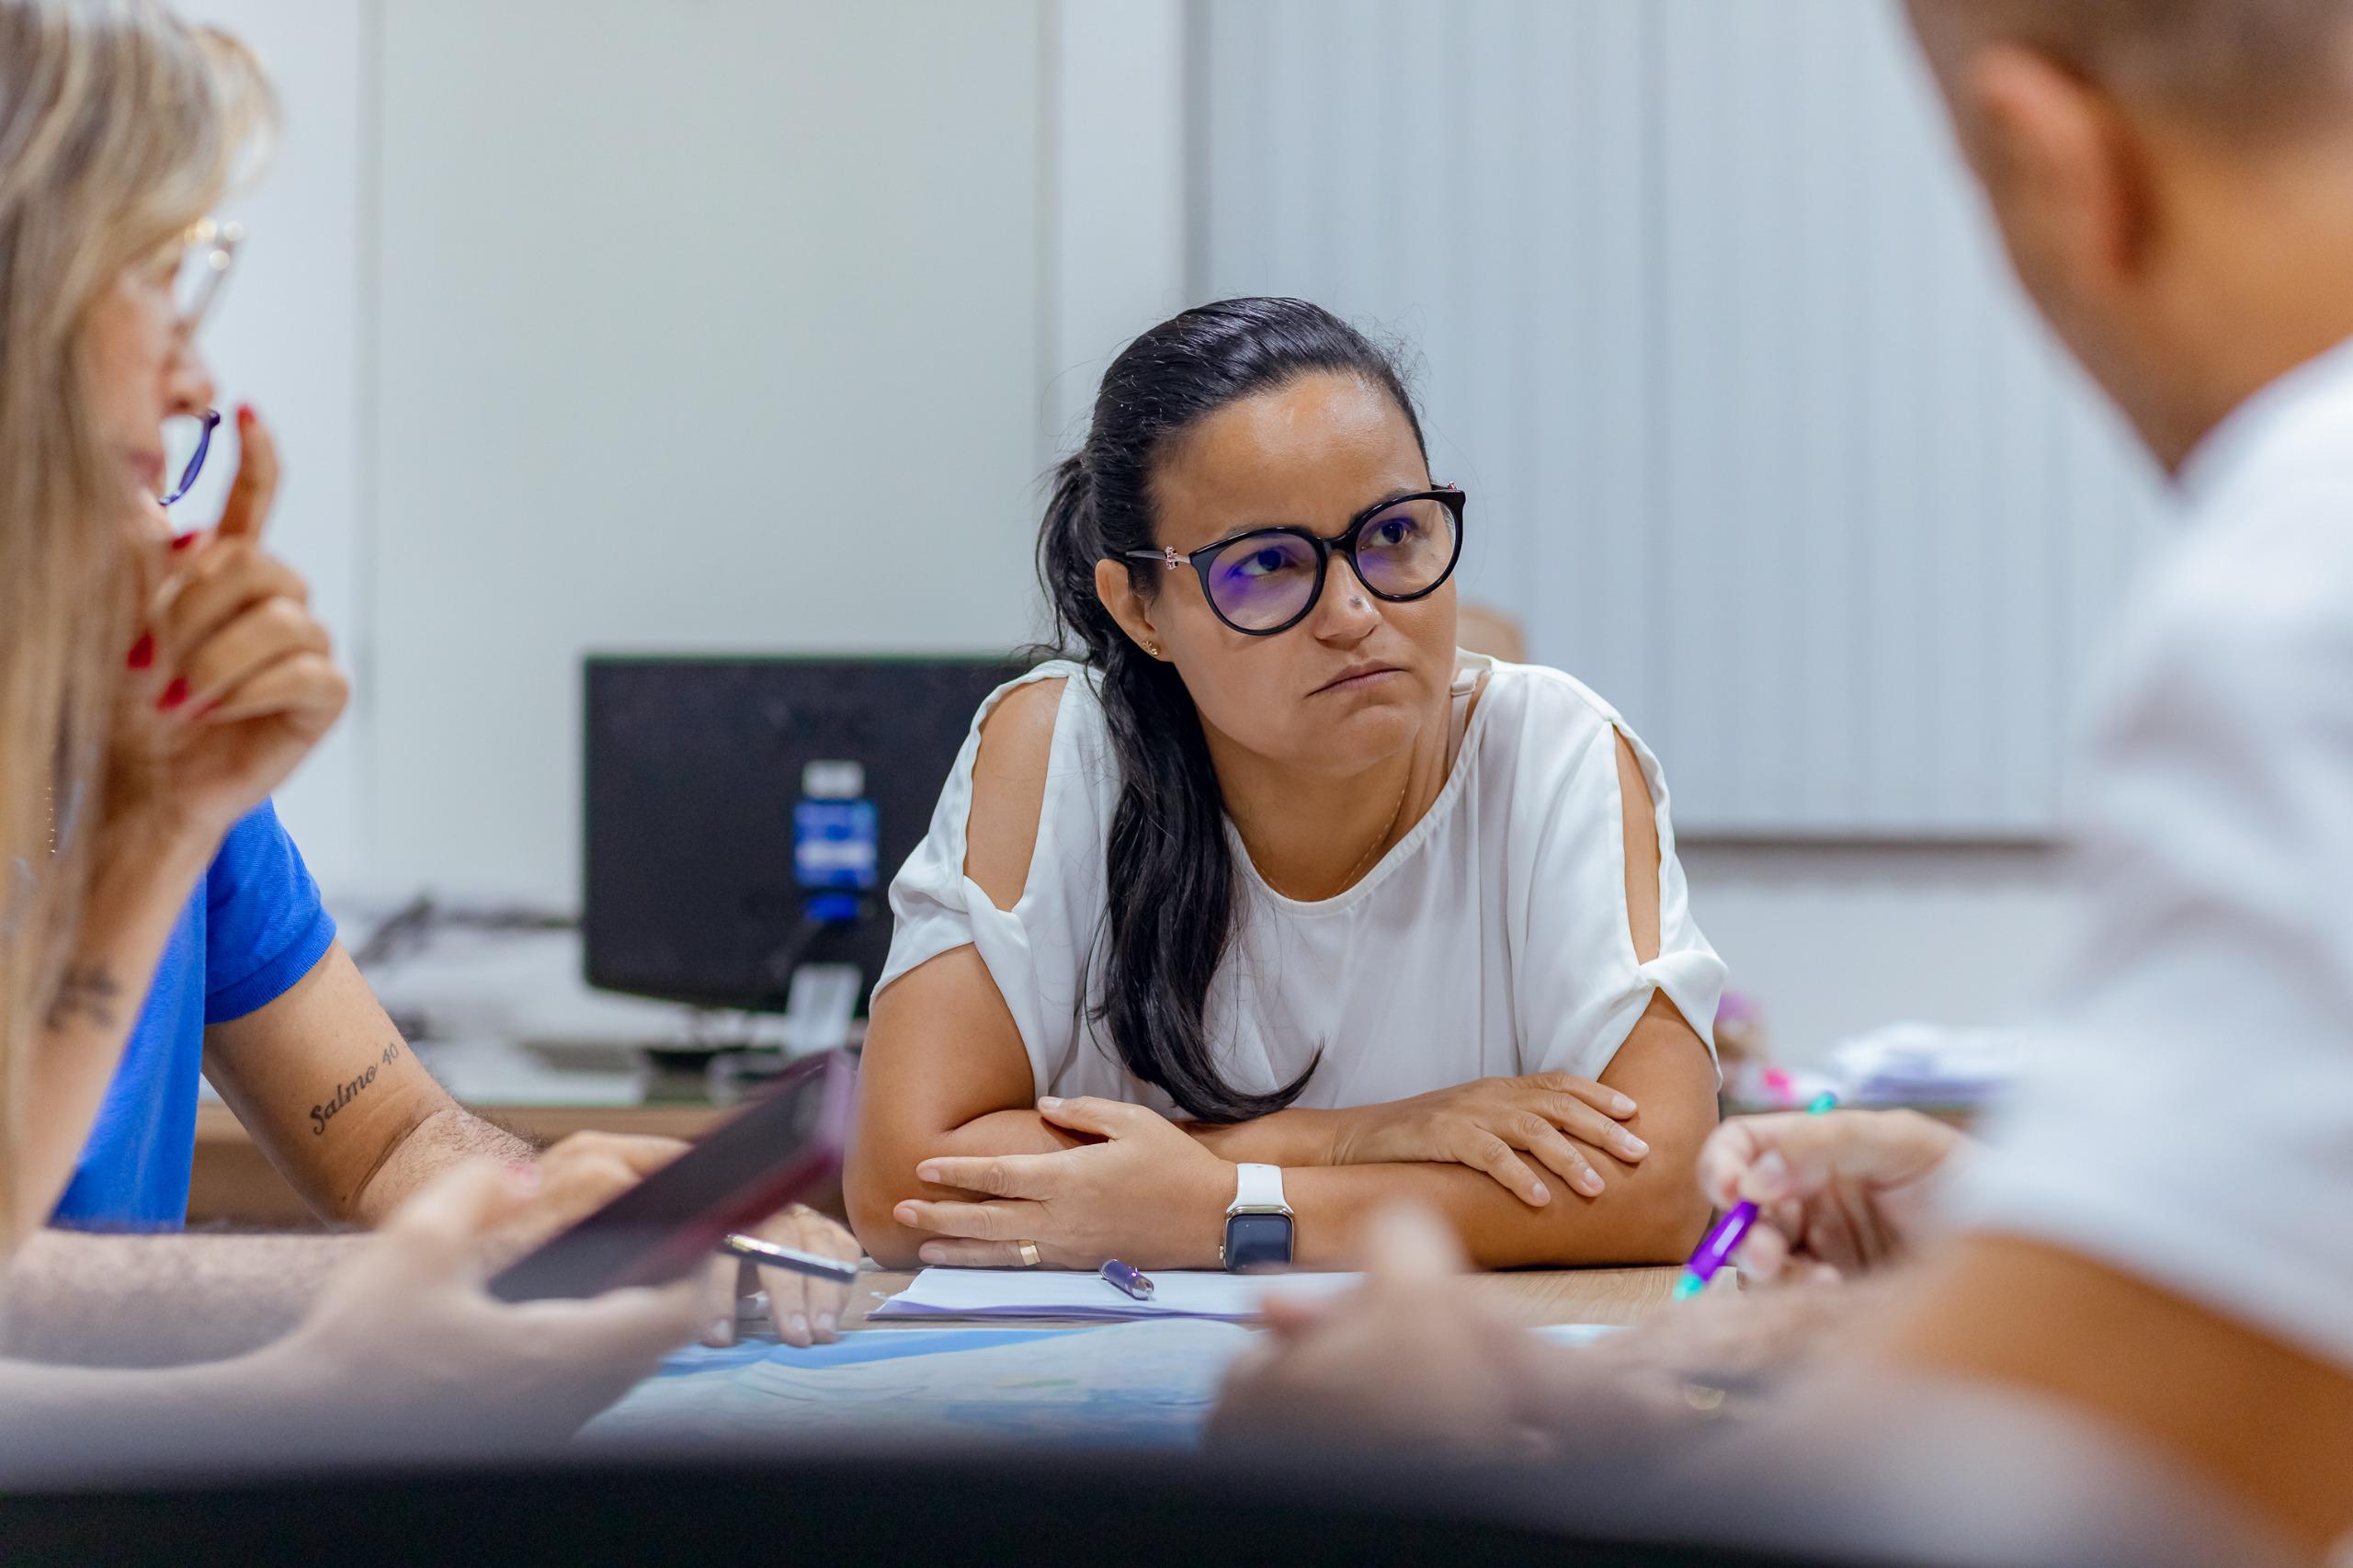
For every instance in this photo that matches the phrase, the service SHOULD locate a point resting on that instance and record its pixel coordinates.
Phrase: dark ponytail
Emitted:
(1170, 880)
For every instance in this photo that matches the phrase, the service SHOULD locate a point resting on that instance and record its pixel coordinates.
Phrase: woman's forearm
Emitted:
(1288, 1138)
(880, 1180)
(1294, 1137)
(1649, 1211)
(1647, 1214)
(135, 900)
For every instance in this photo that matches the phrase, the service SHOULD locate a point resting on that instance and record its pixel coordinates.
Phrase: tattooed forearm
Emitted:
(85, 993)
(351, 1089)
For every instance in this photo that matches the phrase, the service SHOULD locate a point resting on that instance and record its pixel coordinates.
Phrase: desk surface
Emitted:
(233, 1183)
(1530, 1296)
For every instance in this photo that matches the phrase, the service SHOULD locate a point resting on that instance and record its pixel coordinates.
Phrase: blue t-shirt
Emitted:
(254, 927)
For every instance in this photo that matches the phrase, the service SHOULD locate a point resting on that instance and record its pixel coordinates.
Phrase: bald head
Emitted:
(2243, 68)
(2170, 178)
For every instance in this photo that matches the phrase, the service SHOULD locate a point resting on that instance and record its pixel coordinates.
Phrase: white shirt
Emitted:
(1491, 939)
(2187, 1112)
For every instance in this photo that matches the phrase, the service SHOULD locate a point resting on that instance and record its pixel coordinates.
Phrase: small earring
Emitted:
(1152, 648)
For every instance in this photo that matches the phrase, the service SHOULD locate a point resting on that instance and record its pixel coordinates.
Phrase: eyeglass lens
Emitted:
(1261, 582)
(204, 265)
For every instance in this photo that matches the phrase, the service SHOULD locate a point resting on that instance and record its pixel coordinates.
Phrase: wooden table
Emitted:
(1530, 1297)
(233, 1183)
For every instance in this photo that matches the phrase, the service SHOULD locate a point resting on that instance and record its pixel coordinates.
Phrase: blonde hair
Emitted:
(120, 126)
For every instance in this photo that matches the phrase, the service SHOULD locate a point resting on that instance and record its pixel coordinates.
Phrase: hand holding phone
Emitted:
(786, 1145)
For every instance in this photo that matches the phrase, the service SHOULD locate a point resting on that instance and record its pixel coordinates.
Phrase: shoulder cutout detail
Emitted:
(1009, 789)
(1641, 827)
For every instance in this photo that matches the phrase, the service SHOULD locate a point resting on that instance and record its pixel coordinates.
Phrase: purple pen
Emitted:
(1126, 1280)
(1731, 1231)
(1720, 1244)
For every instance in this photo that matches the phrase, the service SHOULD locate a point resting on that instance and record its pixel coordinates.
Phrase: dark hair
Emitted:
(1169, 871)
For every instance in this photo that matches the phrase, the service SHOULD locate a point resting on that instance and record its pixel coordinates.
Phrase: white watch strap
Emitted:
(1258, 1189)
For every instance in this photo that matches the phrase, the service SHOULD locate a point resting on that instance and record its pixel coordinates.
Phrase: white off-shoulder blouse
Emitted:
(1492, 940)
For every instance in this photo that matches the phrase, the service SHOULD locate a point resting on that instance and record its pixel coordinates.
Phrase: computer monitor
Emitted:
(711, 871)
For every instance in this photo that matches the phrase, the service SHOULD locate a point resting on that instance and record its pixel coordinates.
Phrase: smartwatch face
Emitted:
(1257, 1241)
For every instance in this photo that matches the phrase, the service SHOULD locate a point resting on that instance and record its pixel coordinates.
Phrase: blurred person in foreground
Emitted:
(2174, 182)
(121, 777)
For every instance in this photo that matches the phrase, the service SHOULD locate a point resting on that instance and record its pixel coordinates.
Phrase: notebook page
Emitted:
(1059, 1293)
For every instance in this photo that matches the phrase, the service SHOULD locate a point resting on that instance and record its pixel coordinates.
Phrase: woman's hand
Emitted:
(581, 1174)
(803, 1311)
(404, 1345)
(1147, 1194)
(578, 1175)
(1835, 1194)
(1487, 1124)
(233, 679)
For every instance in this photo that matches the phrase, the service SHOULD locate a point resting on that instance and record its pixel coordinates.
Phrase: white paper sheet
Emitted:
(1576, 1333)
(1017, 1293)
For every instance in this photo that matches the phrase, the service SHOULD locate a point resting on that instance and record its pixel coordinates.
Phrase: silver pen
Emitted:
(751, 1249)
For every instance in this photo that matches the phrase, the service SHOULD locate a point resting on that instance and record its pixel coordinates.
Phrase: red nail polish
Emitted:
(245, 414)
(174, 695)
(181, 541)
(142, 652)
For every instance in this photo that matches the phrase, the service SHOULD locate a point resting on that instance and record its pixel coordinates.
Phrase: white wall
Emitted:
(1115, 210)
(702, 326)
(287, 337)
(560, 306)
(1832, 942)
(1760, 437)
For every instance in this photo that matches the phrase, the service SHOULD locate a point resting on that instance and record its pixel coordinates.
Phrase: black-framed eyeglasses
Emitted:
(1267, 580)
(187, 438)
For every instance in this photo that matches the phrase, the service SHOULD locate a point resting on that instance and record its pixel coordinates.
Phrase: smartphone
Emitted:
(786, 1144)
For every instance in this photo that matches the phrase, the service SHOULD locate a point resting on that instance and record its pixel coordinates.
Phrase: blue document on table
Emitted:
(1148, 1384)
(696, 1360)
(1145, 1384)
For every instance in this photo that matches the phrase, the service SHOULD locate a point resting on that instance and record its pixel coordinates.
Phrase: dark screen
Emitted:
(693, 766)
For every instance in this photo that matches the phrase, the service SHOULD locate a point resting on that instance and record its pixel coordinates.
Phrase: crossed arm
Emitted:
(1646, 1211)
(948, 1095)
(1154, 1192)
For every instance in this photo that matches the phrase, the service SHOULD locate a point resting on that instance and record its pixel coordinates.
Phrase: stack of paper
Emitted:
(1011, 1293)
(1920, 1065)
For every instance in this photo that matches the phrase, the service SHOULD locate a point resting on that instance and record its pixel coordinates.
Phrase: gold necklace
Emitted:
(1381, 837)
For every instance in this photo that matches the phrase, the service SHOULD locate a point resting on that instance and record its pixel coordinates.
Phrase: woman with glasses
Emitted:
(229, 683)
(154, 690)
(1265, 907)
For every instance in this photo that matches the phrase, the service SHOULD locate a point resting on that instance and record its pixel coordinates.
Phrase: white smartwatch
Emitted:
(1259, 1223)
